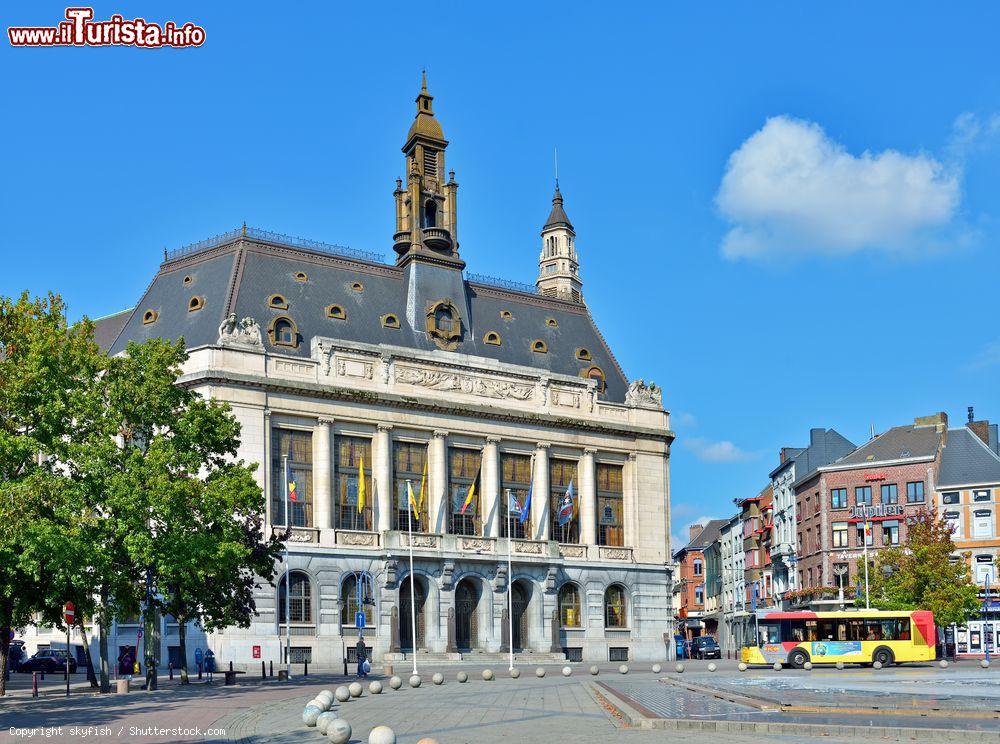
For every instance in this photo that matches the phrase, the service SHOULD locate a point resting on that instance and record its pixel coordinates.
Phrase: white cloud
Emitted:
(679, 541)
(721, 451)
(989, 356)
(790, 190)
(683, 420)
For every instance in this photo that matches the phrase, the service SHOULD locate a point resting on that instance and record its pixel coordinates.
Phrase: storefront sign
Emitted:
(879, 511)
(874, 476)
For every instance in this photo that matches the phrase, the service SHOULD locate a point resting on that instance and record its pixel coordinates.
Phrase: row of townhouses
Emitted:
(799, 542)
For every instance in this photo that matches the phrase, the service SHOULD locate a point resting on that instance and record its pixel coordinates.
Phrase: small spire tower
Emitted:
(558, 265)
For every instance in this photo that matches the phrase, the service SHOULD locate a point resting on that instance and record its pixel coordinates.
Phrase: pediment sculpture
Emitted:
(244, 333)
(641, 395)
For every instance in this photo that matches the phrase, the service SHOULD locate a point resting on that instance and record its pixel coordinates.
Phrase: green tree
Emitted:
(920, 575)
(46, 367)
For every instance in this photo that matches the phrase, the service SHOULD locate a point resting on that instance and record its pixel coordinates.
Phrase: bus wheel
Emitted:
(798, 658)
(884, 656)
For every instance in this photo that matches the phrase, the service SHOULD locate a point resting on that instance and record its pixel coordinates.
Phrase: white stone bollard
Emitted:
(321, 704)
(339, 731)
(487, 674)
(623, 669)
(310, 714)
(395, 682)
(415, 680)
(984, 664)
(943, 663)
(807, 666)
(326, 693)
(567, 672)
(712, 667)
(323, 722)
(877, 665)
(840, 665)
(540, 672)
(438, 678)
(742, 667)
(679, 668)
(594, 670)
(382, 735)
(515, 673)
(375, 688)
(776, 666)
(342, 694)
(355, 689)
(462, 677)
(656, 668)
(427, 740)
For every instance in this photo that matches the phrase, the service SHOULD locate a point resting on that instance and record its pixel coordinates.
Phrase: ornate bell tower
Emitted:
(558, 266)
(426, 207)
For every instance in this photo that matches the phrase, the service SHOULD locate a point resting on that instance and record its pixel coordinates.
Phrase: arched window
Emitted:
(569, 606)
(277, 301)
(492, 338)
(614, 607)
(299, 599)
(539, 347)
(149, 316)
(283, 332)
(195, 304)
(351, 603)
(430, 214)
(596, 373)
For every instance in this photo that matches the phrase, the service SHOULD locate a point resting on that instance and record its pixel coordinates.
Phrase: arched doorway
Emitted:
(466, 615)
(519, 601)
(405, 627)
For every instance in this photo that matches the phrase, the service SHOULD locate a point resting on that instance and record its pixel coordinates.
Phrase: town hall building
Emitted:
(371, 378)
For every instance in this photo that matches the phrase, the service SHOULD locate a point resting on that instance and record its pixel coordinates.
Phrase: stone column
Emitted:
(588, 498)
(268, 485)
(541, 518)
(437, 483)
(382, 472)
(630, 486)
(322, 462)
(494, 503)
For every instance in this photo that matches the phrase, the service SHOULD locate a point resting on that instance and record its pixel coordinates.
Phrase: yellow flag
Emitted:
(423, 488)
(361, 485)
(413, 500)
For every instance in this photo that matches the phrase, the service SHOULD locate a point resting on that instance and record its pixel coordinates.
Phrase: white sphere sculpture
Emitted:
(984, 664)
(594, 670)
(776, 666)
(515, 673)
(840, 665)
(310, 714)
(338, 731)
(375, 687)
(807, 666)
(395, 682)
(943, 664)
(712, 667)
(415, 680)
(623, 669)
(487, 674)
(462, 677)
(742, 667)
(342, 694)
(382, 735)
(540, 672)
(877, 665)
(355, 689)
(566, 671)
(438, 678)
(679, 668)
(656, 668)
(323, 722)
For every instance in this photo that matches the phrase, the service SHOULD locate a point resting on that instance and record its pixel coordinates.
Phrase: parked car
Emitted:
(706, 647)
(49, 660)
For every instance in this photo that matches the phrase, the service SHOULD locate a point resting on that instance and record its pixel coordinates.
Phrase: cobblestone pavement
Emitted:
(549, 710)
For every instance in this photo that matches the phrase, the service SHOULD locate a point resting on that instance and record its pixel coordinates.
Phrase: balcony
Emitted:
(437, 238)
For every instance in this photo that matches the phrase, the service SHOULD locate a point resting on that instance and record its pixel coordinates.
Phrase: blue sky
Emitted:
(786, 213)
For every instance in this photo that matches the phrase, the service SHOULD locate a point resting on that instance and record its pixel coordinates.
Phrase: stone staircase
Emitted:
(477, 657)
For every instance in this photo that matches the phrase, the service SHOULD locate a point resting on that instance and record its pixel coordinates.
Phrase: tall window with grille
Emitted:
(610, 505)
(352, 453)
(408, 462)
(561, 474)
(515, 476)
(463, 472)
(297, 445)
(351, 603)
(299, 599)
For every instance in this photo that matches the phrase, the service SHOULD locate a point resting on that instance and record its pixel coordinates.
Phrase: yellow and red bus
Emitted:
(857, 637)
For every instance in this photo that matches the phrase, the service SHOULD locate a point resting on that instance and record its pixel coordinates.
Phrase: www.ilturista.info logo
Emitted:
(79, 29)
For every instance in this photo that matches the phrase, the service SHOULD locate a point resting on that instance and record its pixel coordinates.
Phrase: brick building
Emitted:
(888, 480)
(690, 591)
(757, 519)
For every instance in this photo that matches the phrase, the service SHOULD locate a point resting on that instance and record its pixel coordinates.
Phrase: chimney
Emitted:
(693, 531)
(938, 420)
(971, 416)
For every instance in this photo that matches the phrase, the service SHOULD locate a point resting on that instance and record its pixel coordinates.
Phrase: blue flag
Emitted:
(566, 506)
(526, 509)
(512, 506)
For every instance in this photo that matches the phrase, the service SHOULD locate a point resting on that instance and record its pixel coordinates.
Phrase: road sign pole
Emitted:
(69, 615)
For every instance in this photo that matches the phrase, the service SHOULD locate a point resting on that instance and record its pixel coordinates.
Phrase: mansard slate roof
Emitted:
(825, 446)
(898, 443)
(240, 274)
(966, 460)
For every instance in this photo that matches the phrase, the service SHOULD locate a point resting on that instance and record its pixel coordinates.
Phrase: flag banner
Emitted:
(361, 485)
(512, 506)
(471, 495)
(526, 509)
(423, 489)
(293, 492)
(411, 499)
(566, 506)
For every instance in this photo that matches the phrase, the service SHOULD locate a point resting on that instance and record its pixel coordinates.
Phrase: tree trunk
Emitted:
(182, 635)
(105, 624)
(6, 617)
(86, 651)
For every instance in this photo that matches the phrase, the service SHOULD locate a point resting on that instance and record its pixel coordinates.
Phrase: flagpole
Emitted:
(413, 605)
(868, 605)
(288, 587)
(510, 586)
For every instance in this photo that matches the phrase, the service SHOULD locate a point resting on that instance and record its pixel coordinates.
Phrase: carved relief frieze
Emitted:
(478, 544)
(363, 539)
(485, 387)
(420, 541)
(354, 368)
(526, 546)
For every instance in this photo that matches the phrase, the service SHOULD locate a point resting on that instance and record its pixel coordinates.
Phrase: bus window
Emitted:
(826, 629)
(841, 631)
(812, 633)
(855, 630)
(904, 628)
(873, 630)
(769, 633)
(797, 630)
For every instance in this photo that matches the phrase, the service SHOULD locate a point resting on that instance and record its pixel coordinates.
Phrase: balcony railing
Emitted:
(271, 237)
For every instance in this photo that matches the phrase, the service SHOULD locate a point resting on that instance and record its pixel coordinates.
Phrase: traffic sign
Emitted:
(69, 613)
(359, 620)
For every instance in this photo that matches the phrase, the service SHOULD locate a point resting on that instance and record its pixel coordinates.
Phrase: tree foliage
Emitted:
(920, 575)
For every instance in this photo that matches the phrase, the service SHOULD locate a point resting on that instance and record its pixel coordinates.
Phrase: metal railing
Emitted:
(494, 281)
(272, 237)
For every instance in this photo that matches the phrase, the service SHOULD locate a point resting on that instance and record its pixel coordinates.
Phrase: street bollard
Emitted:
(305, 668)
(170, 668)
(43, 676)
(199, 669)
(272, 667)
(263, 670)
(230, 666)
(34, 684)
